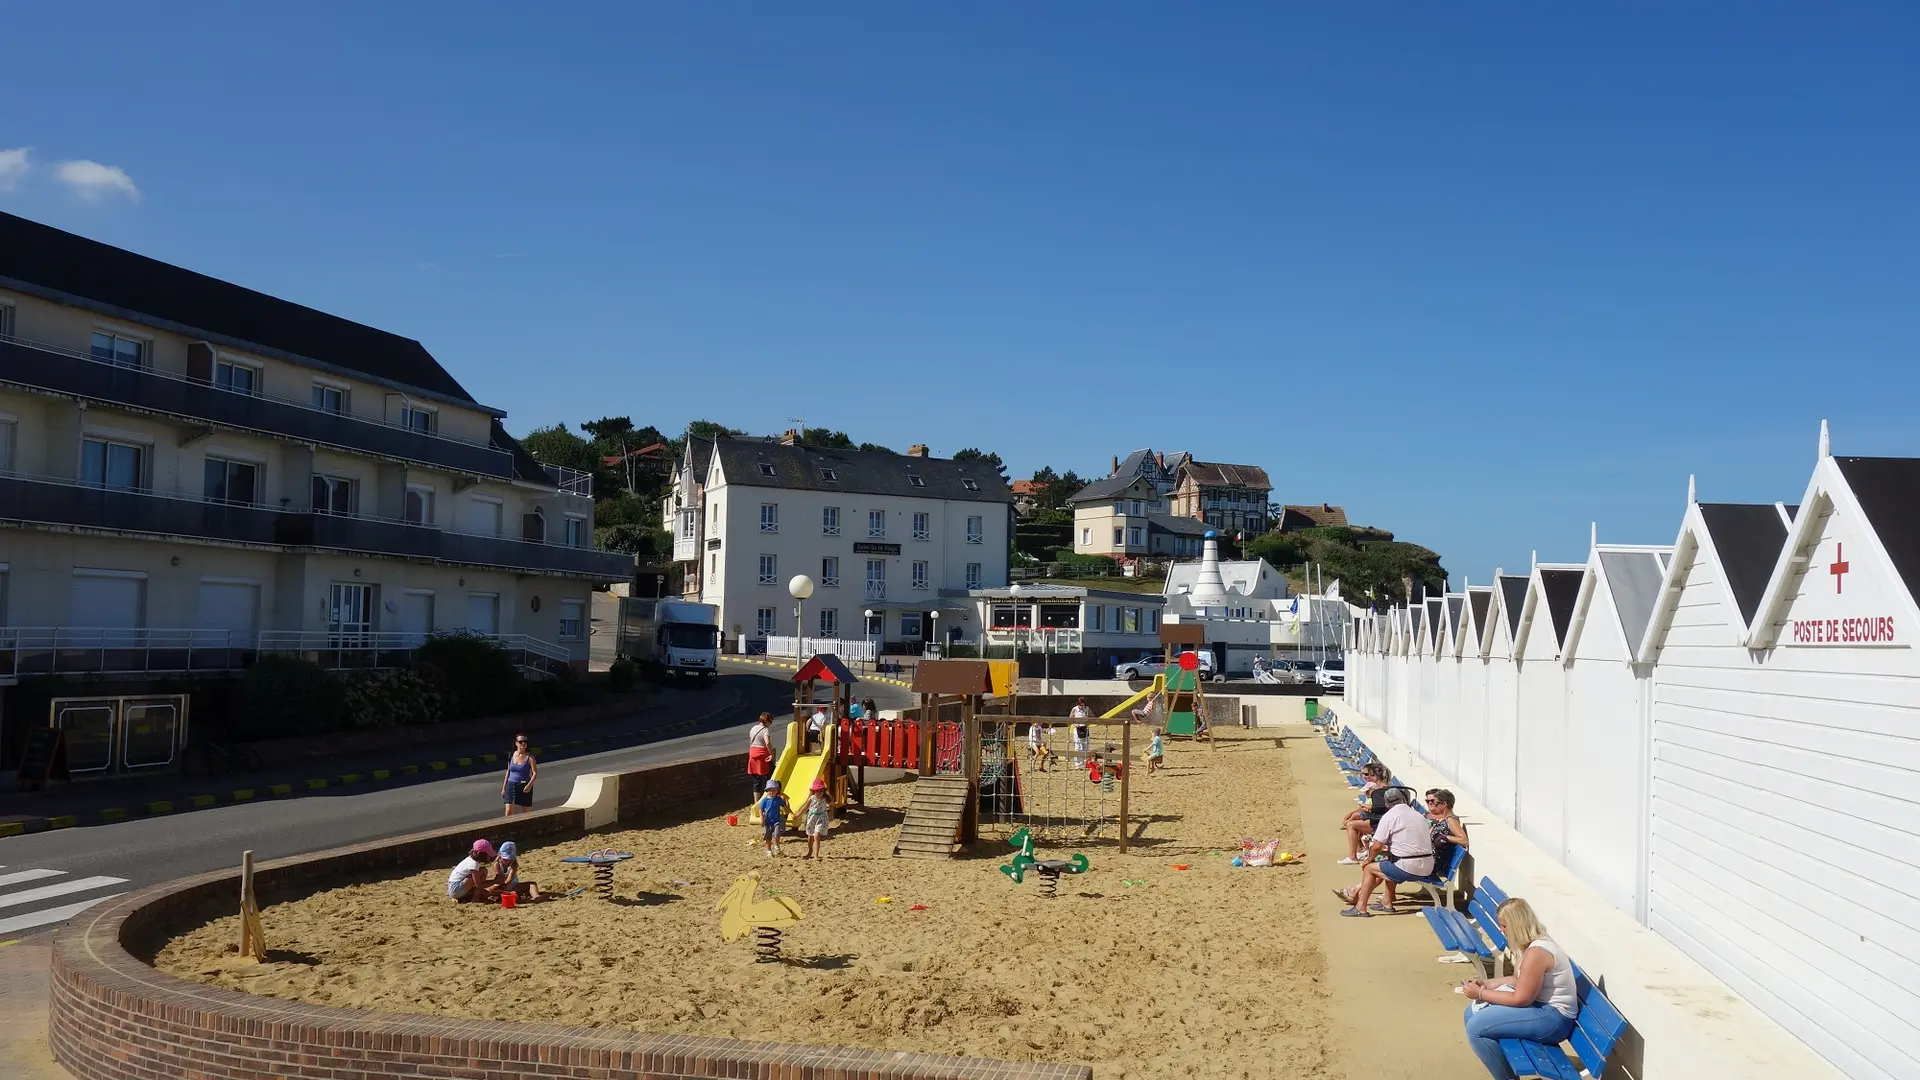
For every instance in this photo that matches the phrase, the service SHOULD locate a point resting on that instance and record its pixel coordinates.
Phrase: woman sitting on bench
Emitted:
(1538, 1003)
(1360, 824)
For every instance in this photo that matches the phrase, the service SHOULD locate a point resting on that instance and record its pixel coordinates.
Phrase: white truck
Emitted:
(670, 637)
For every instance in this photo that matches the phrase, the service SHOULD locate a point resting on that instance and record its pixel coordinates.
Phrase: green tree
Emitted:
(826, 438)
(557, 445)
(875, 448)
(974, 453)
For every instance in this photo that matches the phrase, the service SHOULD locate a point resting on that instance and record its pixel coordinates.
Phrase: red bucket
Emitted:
(733, 819)
(509, 899)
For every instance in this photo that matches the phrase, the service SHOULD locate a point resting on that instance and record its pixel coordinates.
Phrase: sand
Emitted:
(1214, 970)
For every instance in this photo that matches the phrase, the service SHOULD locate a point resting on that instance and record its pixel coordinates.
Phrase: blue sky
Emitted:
(1481, 273)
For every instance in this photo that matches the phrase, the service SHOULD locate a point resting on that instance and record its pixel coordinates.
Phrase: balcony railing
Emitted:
(68, 650)
(876, 590)
(63, 371)
(569, 481)
(1063, 640)
(51, 501)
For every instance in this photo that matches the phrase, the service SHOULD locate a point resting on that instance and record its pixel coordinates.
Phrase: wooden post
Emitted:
(970, 766)
(252, 941)
(1126, 778)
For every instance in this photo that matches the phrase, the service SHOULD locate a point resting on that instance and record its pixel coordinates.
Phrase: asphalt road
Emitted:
(50, 872)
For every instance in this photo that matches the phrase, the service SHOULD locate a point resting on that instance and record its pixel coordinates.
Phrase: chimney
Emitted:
(1160, 459)
(1115, 471)
(1326, 507)
(791, 438)
(917, 450)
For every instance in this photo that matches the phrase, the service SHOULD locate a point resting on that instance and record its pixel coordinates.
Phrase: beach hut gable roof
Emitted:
(1847, 571)
(1749, 535)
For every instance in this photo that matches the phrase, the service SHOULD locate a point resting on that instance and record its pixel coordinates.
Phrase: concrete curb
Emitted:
(786, 667)
(235, 796)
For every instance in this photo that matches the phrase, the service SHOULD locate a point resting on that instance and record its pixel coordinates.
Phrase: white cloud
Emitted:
(14, 164)
(93, 181)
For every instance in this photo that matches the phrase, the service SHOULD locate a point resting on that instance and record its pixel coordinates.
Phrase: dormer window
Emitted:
(916, 481)
(830, 476)
(766, 469)
(969, 485)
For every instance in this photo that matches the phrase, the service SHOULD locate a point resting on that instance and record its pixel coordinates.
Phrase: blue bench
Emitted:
(1596, 1031)
(1475, 933)
(1442, 885)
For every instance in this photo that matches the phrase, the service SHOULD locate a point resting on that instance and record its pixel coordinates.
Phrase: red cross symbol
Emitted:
(1839, 568)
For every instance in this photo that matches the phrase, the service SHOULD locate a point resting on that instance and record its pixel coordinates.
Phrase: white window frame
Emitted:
(764, 622)
(974, 575)
(1086, 536)
(769, 569)
(829, 622)
(969, 484)
(410, 409)
(879, 579)
(345, 392)
(579, 620)
(829, 521)
(876, 524)
(428, 497)
(976, 529)
(1136, 536)
(500, 525)
(769, 517)
(911, 624)
(141, 444)
(124, 333)
(918, 574)
(922, 525)
(234, 363)
(830, 572)
(575, 531)
(230, 459)
(353, 494)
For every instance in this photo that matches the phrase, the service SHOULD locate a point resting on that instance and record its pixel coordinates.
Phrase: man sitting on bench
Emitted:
(1407, 842)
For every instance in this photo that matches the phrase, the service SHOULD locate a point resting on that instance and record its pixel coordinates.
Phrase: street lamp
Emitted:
(866, 631)
(799, 588)
(1015, 590)
(933, 633)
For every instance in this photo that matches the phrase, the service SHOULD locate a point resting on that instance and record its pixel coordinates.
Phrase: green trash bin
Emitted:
(1313, 709)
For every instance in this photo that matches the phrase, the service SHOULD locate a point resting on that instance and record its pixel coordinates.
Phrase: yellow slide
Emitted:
(796, 771)
(1158, 684)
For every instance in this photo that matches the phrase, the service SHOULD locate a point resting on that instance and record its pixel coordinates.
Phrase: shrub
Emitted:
(622, 674)
(475, 676)
(284, 695)
(383, 699)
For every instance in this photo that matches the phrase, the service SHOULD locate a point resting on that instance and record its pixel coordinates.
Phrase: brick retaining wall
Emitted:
(115, 1017)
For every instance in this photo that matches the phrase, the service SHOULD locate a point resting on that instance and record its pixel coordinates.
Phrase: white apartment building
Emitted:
(192, 472)
(903, 536)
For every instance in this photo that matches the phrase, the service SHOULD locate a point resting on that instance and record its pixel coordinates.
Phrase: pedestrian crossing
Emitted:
(36, 897)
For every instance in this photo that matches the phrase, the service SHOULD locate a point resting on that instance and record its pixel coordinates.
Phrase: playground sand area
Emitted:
(1136, 968)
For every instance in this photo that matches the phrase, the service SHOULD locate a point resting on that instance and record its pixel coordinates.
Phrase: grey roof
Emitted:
(1436, 610)
(1633, 577)
(1456, 603)
(1482, 598)
(82, 271)
(1513, 595)
(1747, 537)
(1104, 489)
(1180, 526)
(1886, 489)
(1130, 465)
(861, 472)
(700, 456)
(1561, 590)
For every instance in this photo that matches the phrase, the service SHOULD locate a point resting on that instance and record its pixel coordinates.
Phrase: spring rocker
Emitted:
(1049, 870)
(740, 913)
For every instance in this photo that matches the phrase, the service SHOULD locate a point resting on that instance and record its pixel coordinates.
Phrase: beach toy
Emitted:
(1130, 882)
(1238, 861)
(883, 899)
(508, 900)
(1181, 866)
(920, 907)
(733, 819)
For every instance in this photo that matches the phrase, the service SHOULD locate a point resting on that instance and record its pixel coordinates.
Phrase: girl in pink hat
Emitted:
(815, 816)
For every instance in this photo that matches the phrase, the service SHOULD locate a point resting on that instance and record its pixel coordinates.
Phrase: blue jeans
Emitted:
(1535, 1023)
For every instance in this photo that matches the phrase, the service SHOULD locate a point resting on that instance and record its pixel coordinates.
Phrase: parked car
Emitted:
(1333, 675)
(1272, 670)
(1153, 664)
(1308, 670)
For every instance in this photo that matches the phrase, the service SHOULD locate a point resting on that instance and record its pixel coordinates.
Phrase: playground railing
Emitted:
(884, 744)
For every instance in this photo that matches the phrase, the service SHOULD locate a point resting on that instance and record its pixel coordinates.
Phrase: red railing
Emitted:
(885, 744)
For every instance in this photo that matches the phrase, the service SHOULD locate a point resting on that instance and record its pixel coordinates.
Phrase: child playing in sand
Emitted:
(1156, 752)
(469, 882)
(816, 815)
(506, 873)
(774, 809)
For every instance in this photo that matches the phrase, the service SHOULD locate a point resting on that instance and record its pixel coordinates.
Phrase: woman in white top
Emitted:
(1538, 1004)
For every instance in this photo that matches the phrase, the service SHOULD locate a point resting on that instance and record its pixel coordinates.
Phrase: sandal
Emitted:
(1345, 895)
(1380, 907)
(1354, 913)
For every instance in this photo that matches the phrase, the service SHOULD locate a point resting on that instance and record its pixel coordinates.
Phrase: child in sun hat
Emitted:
(774, 809)
(507, 873)
(469, 881)
(816, 815)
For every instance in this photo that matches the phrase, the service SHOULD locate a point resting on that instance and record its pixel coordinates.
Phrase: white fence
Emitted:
(844, 648)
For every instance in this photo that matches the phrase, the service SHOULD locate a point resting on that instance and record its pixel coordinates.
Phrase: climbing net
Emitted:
(1068, 790)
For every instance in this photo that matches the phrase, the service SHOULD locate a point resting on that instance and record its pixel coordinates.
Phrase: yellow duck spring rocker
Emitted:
(740, 912)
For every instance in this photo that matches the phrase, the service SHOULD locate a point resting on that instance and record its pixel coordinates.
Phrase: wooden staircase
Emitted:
(931, 827)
